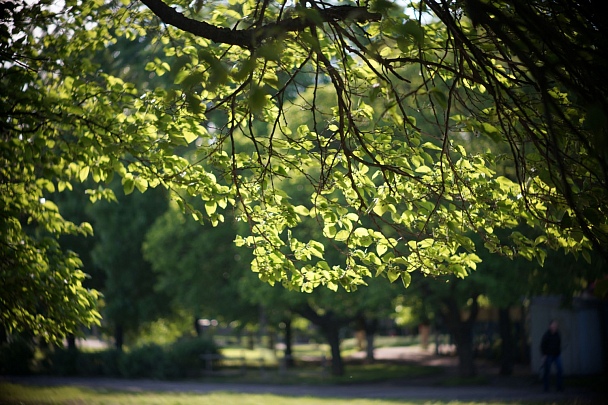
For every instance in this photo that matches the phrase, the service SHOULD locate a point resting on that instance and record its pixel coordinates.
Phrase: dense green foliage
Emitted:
(129, 288)
(379, 111)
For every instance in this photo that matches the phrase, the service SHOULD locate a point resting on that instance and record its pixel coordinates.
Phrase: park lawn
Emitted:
(29, 395)
(314, 374)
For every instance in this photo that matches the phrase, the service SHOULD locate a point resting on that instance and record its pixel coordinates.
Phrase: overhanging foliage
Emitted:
(396, 121)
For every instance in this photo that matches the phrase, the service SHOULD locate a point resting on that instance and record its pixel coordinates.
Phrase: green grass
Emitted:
(464, 381)
(28, 395)
(262, 365)
(315, 375)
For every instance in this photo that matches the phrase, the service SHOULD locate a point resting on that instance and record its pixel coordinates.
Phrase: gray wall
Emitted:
(580, 328)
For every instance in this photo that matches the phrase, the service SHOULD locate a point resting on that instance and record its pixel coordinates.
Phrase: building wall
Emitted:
(581, 330)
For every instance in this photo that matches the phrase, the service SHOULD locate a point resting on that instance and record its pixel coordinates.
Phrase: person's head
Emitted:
(553, 326)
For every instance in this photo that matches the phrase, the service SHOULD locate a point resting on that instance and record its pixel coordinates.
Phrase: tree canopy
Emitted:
(395, 114)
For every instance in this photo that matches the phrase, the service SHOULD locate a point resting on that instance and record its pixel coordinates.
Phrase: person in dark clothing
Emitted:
(551, 349)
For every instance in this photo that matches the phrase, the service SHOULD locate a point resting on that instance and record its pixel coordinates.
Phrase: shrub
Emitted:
(184, 357)
(99, 364)
(110, 360)
(16, 356)
(181, 359)
(64, 362)
(143, 362)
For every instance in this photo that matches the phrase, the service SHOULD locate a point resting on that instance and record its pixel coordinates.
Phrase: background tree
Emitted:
(74, 206)
(199, 268)
(129, 292)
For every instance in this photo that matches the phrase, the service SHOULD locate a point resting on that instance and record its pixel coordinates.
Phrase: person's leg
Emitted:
(546, 372)
(559, 371)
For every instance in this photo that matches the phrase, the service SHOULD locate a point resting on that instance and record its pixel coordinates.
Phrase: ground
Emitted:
(523, 386)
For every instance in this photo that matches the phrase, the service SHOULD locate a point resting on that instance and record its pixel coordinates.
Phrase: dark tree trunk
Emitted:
(332, 334)
(71, 340)
(263, 326)
(369, 348)
(271, 339)
(197, 327)
(288, 344)
(330, 325)
(464, 346)
(371, 327)
(462, 331)
(250, 340)
(367, 327)
(506, 337)
(119, 337)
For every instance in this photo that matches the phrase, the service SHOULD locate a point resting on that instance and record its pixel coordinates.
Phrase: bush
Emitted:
(99, 364)
(184, 357)
(110, 360)
(64, 362)
(143, 362)
(70, 362)
(181, 359)
(16, 357)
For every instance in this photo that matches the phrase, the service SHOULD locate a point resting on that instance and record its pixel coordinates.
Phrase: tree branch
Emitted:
(252, 37)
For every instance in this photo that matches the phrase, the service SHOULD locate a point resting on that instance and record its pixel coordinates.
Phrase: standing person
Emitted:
(551, 349)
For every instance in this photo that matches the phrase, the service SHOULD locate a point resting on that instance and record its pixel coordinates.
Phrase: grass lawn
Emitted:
(314, 374)
(28, 395)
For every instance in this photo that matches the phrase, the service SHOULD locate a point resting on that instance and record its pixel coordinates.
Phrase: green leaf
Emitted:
(381, 249)
(257, 99)
(342, 235)
(406, 278)
(141, 184)
(84, 173)
(192, 79)
(491, 131)
(301, 210)
(210, 207)
(423, 169)
(190, 136)
(415, 30)
(439, 96)
(128, 184)
(272, 51)
(393, 274)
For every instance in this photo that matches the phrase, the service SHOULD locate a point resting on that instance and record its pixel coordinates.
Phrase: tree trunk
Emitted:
(506, 337)
(262, 326)
(424, 332)
(271, 339)
(462, 331)
(250, 340)
(332, 334)
(330, 325)
(197, 327)
(288, 344)
(464, 346)
(119, 337)
(71, 340)
(369, 349)
(371, 327)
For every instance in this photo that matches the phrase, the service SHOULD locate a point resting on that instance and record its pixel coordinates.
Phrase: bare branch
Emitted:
(252, 37)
